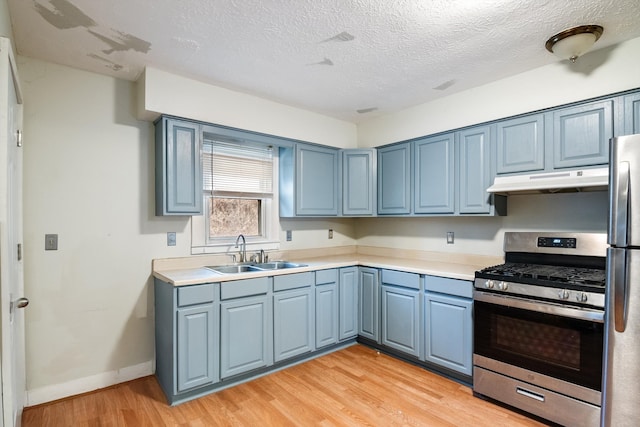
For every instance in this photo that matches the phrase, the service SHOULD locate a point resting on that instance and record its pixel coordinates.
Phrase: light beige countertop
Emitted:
(192, 270)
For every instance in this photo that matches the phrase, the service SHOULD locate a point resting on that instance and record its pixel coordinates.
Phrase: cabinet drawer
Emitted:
(196, 294)
(326, 276)
(292, 281)
(400, 278)
(244, 288)
(444, 285)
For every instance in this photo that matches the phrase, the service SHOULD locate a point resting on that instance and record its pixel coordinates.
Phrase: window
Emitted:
(239, 194)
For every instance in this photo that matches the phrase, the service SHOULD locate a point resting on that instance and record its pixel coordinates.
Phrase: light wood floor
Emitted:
(351, 387)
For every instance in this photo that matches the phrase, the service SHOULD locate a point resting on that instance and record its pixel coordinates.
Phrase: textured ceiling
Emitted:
(334, 57)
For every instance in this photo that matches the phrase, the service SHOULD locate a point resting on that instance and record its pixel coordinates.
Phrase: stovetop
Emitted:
(565, 277)
(563, 268)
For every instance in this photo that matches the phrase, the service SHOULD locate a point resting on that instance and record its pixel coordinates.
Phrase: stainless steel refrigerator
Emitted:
(621, 370)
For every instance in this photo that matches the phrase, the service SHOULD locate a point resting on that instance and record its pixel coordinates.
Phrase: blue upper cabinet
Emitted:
(309, 177)
(632, 114)
(394, 179)
(434, 174)
(317, 177)
(475, 170)
(581, 134)
(178, 167)
(520, 144)
(359, 182)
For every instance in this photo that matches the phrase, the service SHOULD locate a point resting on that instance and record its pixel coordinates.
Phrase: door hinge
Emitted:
(19, 138)
(19, 251)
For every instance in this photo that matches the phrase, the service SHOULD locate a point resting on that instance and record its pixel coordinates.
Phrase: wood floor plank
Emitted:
(356, 386)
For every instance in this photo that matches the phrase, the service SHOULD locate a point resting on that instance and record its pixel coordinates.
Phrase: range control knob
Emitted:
(488, 284)
(581, 297)
(502, 286)
(563, 294)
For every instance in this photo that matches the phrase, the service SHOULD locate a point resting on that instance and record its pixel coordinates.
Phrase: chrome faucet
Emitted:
(243, 252)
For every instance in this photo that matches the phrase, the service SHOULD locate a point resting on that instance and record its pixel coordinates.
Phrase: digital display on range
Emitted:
(557, 242)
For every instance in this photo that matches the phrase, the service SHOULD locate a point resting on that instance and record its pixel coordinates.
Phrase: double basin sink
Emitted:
(253, 267)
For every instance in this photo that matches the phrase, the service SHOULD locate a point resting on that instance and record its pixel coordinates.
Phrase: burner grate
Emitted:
(545, 274)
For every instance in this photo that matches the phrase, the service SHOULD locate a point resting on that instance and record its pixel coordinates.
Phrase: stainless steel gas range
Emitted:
(538, 326)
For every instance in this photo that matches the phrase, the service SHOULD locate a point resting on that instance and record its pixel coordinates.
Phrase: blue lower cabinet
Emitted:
(401, 319)
(368, 303)
(326, 314)
(293, 323)
(196, 349)
(348, 303)
(293, 315)
(245, 335)
(448, 326)
(187, 337)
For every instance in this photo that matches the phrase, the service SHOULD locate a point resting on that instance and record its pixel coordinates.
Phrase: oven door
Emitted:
(558, 341)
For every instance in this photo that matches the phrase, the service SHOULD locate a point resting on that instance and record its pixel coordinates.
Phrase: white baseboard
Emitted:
(82, 385)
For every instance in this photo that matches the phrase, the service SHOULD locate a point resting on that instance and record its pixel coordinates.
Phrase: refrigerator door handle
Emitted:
(620, 207)
(617, 272)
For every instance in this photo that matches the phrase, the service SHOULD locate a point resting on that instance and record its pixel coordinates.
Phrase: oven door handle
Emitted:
(540, 306)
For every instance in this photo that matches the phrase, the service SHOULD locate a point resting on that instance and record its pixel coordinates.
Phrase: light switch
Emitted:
(288, 235)
(50, 242)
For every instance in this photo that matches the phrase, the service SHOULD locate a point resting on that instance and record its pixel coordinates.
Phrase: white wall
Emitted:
(597, 73)
(89, 178)
(586, 212)
(166, 93)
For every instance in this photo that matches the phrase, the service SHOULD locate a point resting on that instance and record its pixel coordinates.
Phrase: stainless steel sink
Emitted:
(248, 268)
(277, 265)
(233, 269)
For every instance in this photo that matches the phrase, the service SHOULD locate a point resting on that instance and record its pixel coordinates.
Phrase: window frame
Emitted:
(270, 240)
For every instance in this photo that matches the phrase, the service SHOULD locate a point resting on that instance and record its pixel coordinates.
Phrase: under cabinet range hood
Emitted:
(596, 179)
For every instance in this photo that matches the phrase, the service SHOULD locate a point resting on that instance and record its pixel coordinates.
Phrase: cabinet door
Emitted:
(358, 182)
(326, 314)
(196, 347)
(520, 144)
(316, 180)
(348, 297)
(581, 134)
(394, 179)
(368, 307)
(400, 319)
(245, 342)
(632, 114)
(475, 170)
(293, 326)
(178, 168)
(448, 326)
(434, 174)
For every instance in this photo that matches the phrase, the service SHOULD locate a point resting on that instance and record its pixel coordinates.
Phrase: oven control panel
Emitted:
(557, 242)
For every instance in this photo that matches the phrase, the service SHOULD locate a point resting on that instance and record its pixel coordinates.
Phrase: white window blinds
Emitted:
(237, 168)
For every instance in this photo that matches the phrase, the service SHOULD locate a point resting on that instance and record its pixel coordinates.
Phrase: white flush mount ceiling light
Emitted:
(573, 42)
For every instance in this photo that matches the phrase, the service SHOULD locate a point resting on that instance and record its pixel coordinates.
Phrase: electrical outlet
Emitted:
(330, 233)
(171, 238)
(288, 235)
(450, 237)
(50, 242)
